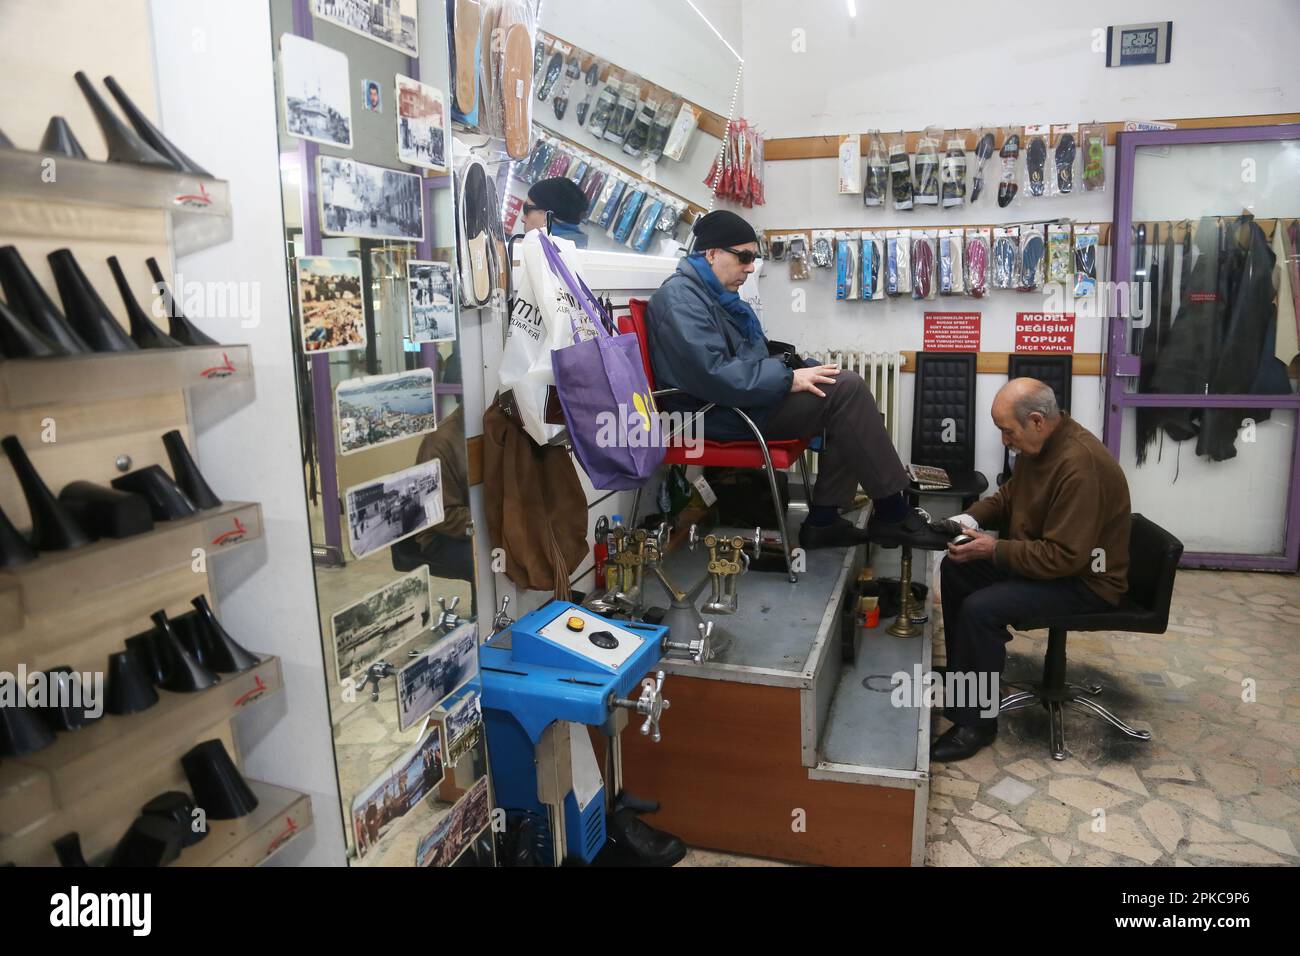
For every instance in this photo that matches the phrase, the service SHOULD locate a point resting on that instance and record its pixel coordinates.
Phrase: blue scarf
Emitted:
(742, 316)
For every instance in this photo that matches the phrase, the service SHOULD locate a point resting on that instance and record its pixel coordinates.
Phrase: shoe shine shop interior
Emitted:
(649, 433)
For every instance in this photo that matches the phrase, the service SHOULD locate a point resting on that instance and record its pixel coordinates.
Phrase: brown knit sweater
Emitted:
(1058, 508)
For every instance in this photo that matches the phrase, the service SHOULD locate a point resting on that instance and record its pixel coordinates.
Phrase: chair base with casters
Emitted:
(1054, 692)
(1153, 561)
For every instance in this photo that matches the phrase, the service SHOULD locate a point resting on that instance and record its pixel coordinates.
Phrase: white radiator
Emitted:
(881, 371)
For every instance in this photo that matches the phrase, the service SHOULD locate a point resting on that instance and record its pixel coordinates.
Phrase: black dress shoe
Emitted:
(914, 531)
(958, 742)
(840, 533)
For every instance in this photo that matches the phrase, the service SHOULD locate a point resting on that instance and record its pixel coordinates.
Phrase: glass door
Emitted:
(1201, 381)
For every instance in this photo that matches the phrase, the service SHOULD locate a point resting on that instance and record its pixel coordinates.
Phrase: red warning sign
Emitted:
(952, 331)
(1044, 331)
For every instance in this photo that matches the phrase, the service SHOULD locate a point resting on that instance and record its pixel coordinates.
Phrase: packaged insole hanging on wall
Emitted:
(926, 190)
(985, 140)
(953, 176)
(620, 121)
(877, 186)
(605, 104)
(644, 229)
(1033, 253)
(640, 133)
(1006, 255)
(669, 216)
(923, 265)
(621, 228)
(1092, 144)
(900, 172)
(898, 262)
(659, 130)
(823, 253)
(1086, 241)
(541, 156)
(607, 207)
(798, 246)
(872, 266)
(1060, 255)
(1009, 155)
(688, 117)
(1035, 147)
(952, 276)
(977, 254)
(850, 164)
(578, 170)
(592, 80)
(1065, 151)
(846, 266)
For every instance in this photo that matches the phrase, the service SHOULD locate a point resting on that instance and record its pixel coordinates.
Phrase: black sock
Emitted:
(819, 516)
(893, 508)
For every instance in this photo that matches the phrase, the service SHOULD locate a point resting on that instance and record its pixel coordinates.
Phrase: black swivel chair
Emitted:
(1153, 556)
(943, 423)
(1056, 370)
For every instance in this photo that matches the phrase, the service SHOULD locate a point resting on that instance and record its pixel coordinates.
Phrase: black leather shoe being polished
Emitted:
(914, 531)
(958, 742)
(840, 533)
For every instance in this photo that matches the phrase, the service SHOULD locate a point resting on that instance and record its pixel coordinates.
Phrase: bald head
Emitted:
(1026, 413)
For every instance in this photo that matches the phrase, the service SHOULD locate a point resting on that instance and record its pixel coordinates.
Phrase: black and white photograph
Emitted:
(394, 507)
(442, 845)
(421, 120)
(433, 314)
(329, 304)
(368, 629)
(423, 683)
(462, 724)
(391, 22)
(317, 101)
(370, 202)
(377, 409)
(397, 791)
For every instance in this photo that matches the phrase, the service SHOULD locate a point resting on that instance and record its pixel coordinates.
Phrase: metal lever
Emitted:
(502, 620)
(449, 619)
(699, 650)
(651, 704)
(376, 672)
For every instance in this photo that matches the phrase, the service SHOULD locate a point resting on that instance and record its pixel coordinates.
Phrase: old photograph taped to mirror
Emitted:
(385, 619)
(369, 202)
(394, 23)
(396, 506)
(397, 791)
(380, 409)
(423, 683)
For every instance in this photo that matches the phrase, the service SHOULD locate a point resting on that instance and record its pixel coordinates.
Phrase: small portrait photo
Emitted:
(371, 96)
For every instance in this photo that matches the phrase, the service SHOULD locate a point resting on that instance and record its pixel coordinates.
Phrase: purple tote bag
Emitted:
(602, 387)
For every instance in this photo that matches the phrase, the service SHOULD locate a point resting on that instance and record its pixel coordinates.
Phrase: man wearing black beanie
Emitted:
(707, 341)
(565, 201)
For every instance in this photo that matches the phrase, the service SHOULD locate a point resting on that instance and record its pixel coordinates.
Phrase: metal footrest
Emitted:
(1078, 696)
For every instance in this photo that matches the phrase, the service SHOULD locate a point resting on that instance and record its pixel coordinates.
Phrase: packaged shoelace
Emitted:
(850, 164)
(679, 136)
(923, 265)
(644, 229)
(1060, 255)
(1065, 151)
(1033, 255)
(953, 176)
(877, 185)
(607, 206)
(620, 121)
(1006, 256)
(846, 266)
(663, 124)
(985, 140)
(926, 190)
(898, 262)
(900, 172)
(1092, 145)
(873, 255)
(605, 103)
(798, 253)
(823, 253)
(1086, 240)
(952, 276)
(621, 228)
(1035, 147)
(1009, 155)
(977, 254)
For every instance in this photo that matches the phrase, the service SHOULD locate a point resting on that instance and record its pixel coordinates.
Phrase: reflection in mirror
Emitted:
(370, 263)
(632, 110)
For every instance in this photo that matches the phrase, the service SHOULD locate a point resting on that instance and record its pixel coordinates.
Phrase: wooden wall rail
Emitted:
(828, 147)
(902, 223)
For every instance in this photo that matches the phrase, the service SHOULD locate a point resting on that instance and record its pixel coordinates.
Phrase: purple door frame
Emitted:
(1122, 366)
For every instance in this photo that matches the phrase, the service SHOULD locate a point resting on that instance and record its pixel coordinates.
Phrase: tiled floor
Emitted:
(1218, 783)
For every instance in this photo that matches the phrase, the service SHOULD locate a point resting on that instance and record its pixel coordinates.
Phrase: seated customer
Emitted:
(707, 341)
(1064, 521)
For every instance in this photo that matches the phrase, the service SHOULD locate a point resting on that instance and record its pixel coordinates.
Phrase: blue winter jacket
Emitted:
(697, 347)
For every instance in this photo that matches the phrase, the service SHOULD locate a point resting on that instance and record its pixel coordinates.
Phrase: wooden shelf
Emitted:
(79, 379)
(82, 762)
(199, 207)
(281, 816)
(61, 578)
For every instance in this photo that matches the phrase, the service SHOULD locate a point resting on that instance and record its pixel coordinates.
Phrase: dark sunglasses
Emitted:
(743, 256)
(530, 208)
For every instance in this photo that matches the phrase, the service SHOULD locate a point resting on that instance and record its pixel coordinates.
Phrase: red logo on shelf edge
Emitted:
(224, 370)
(230, 537)
(284, 836)
(259, 688)
(198, 200)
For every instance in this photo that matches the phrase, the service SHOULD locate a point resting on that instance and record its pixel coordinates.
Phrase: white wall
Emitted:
(217, 102)
(1010, 64)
